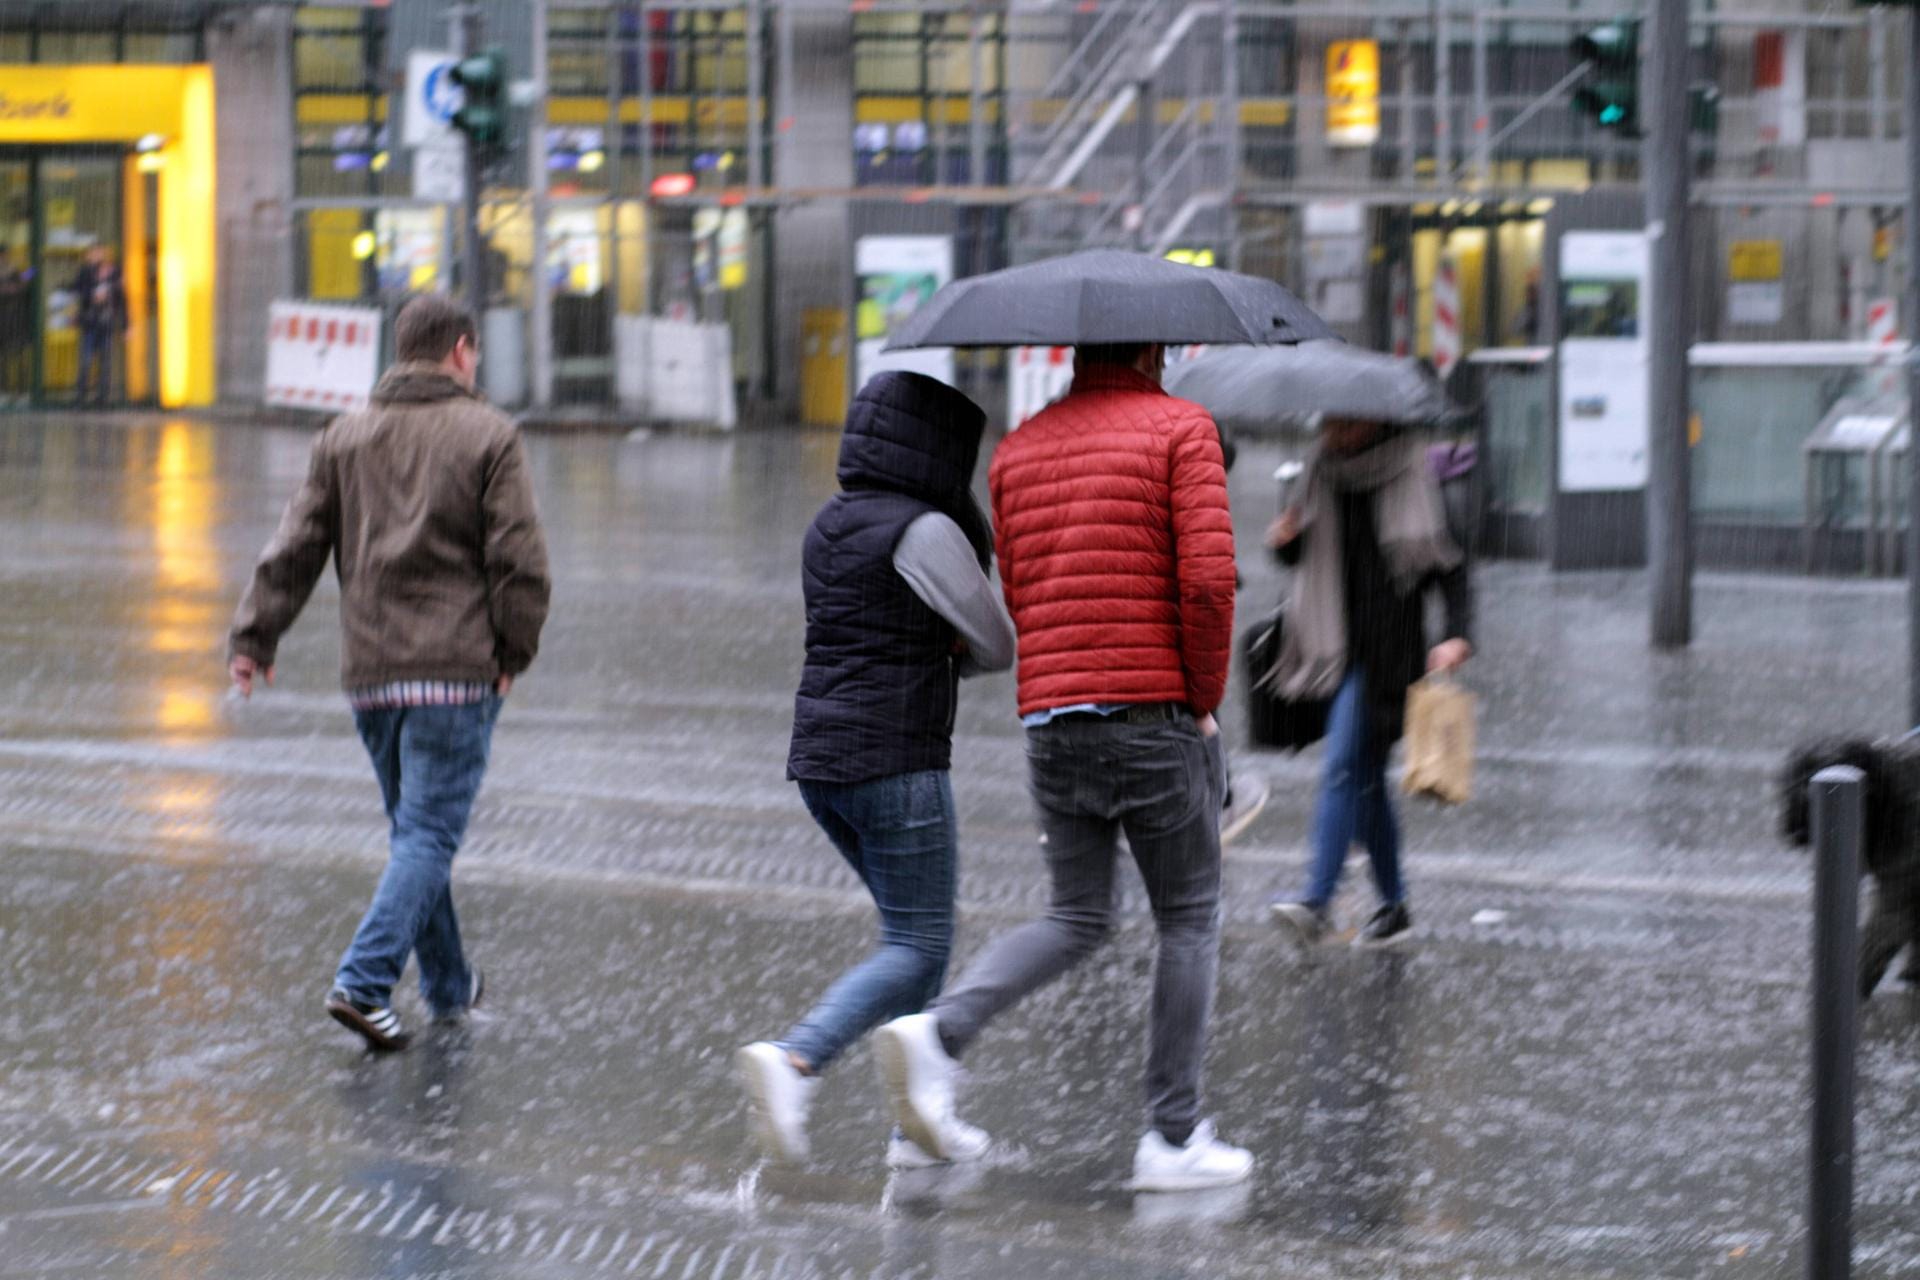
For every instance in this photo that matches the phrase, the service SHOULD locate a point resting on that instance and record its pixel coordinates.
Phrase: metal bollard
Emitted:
(1838, 797)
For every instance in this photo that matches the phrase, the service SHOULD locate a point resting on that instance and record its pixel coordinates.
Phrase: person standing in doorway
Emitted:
(424, 503)
(1116, 558)
(899, 608)
(1370, 538)
(101, 302)
(16, 328)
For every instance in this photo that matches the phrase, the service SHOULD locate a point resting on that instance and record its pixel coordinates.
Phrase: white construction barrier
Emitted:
(674, 370)
(321, 357)
(1036, 377)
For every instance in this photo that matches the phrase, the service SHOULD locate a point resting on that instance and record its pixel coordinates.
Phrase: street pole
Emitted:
(1669, 482)
(473, 268)
(1836, 798)
(1911, 223)
(540, 317)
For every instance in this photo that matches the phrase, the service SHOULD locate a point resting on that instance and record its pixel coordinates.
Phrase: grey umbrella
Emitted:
(1106, 295)
(1248, 388)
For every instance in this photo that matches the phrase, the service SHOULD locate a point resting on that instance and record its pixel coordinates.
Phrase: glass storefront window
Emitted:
(341, 103)
(912, 80)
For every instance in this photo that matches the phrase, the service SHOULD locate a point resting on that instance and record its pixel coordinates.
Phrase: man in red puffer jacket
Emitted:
(1116, 557)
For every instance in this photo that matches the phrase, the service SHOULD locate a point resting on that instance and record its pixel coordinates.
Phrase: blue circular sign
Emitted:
(443, 97)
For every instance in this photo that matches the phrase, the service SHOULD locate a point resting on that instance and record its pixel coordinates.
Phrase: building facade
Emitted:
(726, 160)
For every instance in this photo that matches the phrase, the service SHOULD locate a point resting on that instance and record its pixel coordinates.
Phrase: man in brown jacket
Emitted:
(423, 501)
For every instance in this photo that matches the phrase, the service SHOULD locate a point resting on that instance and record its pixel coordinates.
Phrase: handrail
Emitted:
(1741, 355)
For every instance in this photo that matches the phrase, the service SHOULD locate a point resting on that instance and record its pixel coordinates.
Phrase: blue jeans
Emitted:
(429, 761)
(899, 835)
(1355, 803)
(96, 365)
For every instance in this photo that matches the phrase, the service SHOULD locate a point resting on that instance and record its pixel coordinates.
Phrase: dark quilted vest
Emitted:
(880, 684)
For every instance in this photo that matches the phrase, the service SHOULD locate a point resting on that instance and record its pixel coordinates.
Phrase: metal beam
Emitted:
(1665, 161)
(540, 319)
(1911, 323)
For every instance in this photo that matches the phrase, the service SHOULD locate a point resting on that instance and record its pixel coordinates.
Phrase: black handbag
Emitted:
(1274, 721)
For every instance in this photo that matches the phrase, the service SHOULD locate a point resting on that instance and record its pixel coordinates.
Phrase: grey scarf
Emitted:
(1410, 522)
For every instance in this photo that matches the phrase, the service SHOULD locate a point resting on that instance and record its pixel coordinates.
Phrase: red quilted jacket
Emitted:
(1115, 547)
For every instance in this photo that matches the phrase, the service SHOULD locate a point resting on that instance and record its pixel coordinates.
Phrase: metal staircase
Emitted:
(1096, 126)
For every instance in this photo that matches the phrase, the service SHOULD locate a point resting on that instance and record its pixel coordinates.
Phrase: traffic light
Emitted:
(483, 117)
(1610, 94)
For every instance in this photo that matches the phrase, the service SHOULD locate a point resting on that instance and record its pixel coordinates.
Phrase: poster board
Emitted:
(893, 277)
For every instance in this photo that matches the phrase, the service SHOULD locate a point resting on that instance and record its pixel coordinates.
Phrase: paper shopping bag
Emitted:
(1439, 741)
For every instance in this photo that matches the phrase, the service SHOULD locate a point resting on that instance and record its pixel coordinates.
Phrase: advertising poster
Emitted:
(1603, 361)
(1353, 93)
(893, 277)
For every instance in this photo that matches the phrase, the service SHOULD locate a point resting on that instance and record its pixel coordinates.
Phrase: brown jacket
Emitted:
(424, 503)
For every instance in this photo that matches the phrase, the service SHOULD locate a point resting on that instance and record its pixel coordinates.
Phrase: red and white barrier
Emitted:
(1883, 332)
(321, 357)
(1038, 376)
(1446, 318)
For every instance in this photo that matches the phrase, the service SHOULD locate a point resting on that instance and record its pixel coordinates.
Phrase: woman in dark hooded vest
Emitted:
(899, 609)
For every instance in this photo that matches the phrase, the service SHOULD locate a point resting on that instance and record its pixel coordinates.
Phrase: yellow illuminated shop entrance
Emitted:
(107, 222)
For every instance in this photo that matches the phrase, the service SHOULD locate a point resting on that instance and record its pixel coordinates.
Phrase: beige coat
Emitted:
(424, 503)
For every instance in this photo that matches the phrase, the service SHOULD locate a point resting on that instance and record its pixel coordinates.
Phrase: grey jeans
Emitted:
(1093, 778)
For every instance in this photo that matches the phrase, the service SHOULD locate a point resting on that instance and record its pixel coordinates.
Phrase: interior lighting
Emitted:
(364, 244)
(150, 162)
(380, 159)
(592, 161)
(149, 142)
(1539, 207)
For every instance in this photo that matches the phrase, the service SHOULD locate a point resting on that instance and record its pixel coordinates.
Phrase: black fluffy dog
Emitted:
(1892, 839)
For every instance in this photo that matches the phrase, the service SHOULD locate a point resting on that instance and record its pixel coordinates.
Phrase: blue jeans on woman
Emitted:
(1355, 803)
(429, 761)
(899, 835)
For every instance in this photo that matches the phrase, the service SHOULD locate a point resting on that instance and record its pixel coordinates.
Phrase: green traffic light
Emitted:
(483, 78)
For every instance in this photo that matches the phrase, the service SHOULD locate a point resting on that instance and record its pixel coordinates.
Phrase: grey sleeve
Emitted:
(938, 563)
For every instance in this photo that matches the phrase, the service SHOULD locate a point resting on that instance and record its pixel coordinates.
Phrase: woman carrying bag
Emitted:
(1368, 535)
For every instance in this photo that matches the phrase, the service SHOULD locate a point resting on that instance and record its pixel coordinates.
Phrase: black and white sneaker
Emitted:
(379, 1026)
(1385, 927)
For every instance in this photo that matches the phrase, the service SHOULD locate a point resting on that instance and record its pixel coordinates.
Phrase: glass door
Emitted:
(16, 283)
(83, 291)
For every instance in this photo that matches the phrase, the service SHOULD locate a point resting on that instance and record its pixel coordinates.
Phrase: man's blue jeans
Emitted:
(96, 366)
(1355, 803)
(899, 835)
(429, 761)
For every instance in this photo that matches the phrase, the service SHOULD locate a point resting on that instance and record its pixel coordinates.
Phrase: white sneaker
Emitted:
(918, 1077)
(1204, 1162)
(904, 1153)
(778, 1098)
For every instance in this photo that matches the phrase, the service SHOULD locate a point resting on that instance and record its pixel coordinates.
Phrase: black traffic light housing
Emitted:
(483, 116)
(1610, 95)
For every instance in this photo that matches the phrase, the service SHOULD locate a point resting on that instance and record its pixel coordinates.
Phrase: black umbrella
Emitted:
(1251, 388)
(1108, 296)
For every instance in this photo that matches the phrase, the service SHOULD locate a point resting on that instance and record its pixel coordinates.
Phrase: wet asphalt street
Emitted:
(1591, 1063)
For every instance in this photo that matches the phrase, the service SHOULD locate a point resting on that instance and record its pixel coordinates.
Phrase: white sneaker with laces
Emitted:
(1204, 1162)
(917, 1074)
(904, 1153)
(778, 1098)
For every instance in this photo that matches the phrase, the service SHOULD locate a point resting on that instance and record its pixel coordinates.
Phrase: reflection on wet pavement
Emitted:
(1592, 1062)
